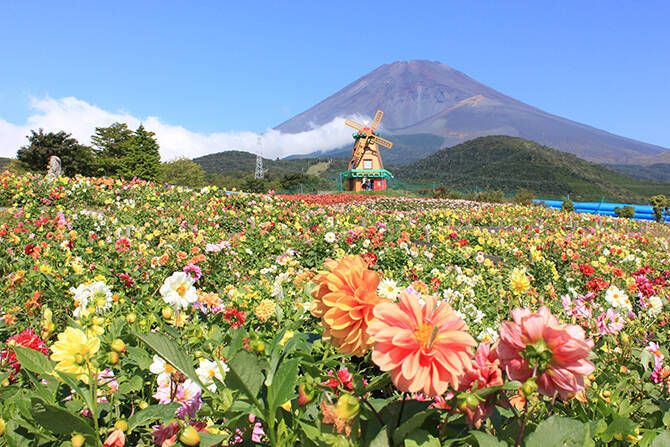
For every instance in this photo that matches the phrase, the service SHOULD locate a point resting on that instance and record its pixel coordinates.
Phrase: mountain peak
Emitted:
(429, 97)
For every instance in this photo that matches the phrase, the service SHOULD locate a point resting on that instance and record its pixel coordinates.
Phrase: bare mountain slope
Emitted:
(422, 97)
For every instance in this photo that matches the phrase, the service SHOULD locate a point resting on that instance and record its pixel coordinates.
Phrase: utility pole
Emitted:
(259, 158)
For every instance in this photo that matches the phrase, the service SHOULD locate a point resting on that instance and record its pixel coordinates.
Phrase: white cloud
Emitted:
(81, 118)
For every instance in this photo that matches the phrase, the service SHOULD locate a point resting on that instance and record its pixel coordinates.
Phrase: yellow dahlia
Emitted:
(344, 299)
(73, 351)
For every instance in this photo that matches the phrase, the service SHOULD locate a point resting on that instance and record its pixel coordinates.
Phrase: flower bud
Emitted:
(118, 345)
(189, 436)
(167, 313)
(113, 357)
(143, 405)
(2, 426)
(130, 318)
(121, 425)
(347, 406)
(77, 440)
(305, 394)
(529, 387)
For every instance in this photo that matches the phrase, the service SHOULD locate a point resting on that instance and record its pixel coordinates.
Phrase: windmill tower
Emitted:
(259, 158)
(366, 169)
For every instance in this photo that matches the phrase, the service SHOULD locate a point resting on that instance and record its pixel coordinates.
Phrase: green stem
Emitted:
(402, 407)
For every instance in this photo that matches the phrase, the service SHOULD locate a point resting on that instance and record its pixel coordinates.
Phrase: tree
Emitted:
(111, 145)
(661, 205)
(76, 158)
(142, 159)
(182, 172)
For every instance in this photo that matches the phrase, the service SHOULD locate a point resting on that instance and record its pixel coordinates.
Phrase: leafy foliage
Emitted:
(76, 158)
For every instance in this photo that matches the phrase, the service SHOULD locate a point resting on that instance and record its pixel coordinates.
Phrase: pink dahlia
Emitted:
(425, 346)
(537, 345)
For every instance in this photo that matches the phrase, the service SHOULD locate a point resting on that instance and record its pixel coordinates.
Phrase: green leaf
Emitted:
(487, 440)
(666, 419)
(559, 432)
(73, 383)
(662, 440)
(513, 385)
(210, 439)
(34, 361)
(283, 385)
(619, 424)
(381, 440)
(409, 426)
(246, 375)
(378, 382)
(139, 356)
(173, 354)
(162, 412)
(133, 385)
(421, 438)
(58, 420)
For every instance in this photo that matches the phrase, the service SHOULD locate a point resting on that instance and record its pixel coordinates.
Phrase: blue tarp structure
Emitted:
(642, 212)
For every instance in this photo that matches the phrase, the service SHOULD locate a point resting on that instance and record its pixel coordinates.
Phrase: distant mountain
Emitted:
(510, 163)
(659, 172)
(406, 149)
(234, 163)
(422, 97)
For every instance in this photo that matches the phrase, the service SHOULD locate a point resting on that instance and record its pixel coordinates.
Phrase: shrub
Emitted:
(627, 211)
(567, 205)
(524, 197)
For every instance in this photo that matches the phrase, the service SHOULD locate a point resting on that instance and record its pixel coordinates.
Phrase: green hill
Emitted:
(4, 163)
(509, 163)
(656, 172)
(230, 163)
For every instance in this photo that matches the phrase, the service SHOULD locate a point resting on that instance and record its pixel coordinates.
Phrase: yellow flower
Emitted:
(287, 336)
(73, 351)
(265, 310)
(519, 281)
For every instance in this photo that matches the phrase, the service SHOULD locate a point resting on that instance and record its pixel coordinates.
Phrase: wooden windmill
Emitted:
(366, 169)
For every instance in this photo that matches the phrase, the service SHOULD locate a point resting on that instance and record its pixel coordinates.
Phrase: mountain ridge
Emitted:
(422, 97)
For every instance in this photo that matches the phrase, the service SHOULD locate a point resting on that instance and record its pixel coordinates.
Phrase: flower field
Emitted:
(138, 314)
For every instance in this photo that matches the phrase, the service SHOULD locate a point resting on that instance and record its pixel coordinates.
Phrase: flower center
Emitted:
(538, 356)
(425, 335)
(181, 290)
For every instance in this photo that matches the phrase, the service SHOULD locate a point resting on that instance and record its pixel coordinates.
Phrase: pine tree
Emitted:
(142, 159)
(111, 146)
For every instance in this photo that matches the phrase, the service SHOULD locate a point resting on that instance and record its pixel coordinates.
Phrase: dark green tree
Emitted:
(111, 145)
(75, 158)
(142, 159)
(183, 172)
(661, 205)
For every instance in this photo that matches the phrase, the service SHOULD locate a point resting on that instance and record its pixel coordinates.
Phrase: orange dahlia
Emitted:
(424, 345)
(344, 299)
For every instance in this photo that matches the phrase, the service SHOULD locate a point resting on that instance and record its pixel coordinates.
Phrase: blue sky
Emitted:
(236, 68)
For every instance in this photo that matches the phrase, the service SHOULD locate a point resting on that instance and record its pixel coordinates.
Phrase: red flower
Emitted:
(234, 317)
(122, 245)
(26, 339)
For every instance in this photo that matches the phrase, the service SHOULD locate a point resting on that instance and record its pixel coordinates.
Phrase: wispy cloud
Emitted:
(81, 118)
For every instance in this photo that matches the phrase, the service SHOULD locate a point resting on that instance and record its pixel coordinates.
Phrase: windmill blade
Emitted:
(354, 124)
(382, 142)
(377, 120)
